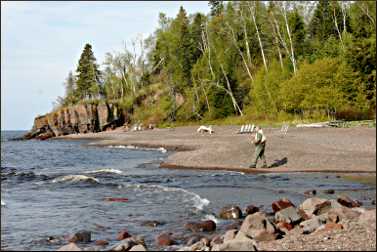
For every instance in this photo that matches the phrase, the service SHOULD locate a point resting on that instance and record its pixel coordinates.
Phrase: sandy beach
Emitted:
(343, 150)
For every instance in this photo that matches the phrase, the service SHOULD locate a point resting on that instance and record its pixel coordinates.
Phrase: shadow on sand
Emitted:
(278, 163)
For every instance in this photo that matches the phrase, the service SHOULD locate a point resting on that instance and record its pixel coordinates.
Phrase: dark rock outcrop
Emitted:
(80, 118)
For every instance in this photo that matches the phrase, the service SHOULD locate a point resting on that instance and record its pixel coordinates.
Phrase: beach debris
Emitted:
(81, 236)
(204, 128)
(281, 204)
(313, 125)
(116, 199)
(247, 128)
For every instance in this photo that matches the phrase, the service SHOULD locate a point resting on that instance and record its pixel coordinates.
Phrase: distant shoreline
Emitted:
(335, 150)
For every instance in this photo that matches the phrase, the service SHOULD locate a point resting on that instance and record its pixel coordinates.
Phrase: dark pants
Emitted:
(259, 154)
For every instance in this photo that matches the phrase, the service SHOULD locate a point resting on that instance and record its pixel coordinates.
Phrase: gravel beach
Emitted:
(341, 150)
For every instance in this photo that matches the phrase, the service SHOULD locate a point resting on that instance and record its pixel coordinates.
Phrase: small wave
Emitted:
(133, 147)
(3, 203)
(199, 202)
(75, 178)
(211, 217)
(106, 170)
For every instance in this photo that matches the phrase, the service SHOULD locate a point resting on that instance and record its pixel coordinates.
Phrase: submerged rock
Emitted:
(123, 235)
(230, 212)
(204, 226)
(81, 236)
(164, 239)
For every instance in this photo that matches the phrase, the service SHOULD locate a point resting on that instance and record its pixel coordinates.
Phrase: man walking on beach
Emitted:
(260, 145)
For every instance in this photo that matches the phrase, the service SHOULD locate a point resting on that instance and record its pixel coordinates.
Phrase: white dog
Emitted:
(203, 128)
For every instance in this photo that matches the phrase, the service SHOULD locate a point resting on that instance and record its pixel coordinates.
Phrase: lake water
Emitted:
(58, 187)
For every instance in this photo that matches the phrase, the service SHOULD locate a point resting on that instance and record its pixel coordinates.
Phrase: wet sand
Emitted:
(342, 150)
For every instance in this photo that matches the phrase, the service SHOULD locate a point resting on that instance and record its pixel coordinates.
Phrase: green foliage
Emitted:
(88, 74)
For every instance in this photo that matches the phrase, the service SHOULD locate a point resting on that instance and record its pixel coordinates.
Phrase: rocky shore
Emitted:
(316, 224)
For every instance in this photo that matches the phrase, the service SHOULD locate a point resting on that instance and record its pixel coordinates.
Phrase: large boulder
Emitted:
(288, 215)
(312, 224)
(230, 212)
(70, 247)
(138, 247)
(258, 227)
(314, 205)
(235, 245)
(230, 235)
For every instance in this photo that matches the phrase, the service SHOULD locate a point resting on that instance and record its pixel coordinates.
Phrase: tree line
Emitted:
(274, 59)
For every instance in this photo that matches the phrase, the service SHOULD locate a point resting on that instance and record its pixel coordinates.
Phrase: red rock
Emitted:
(284, 226)
(348, 202)
(117, 199)
(332, 226)
(250, 209)
(164, 239)
(123, 235)
(281, 204)
(102, 242)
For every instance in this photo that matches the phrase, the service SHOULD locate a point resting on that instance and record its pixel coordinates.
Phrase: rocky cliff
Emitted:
(81, 118)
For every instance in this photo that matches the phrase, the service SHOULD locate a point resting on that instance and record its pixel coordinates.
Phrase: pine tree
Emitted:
(216, 7)
(88, 75)
(321, 25)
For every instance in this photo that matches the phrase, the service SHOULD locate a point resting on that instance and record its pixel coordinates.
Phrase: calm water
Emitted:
(44, 194)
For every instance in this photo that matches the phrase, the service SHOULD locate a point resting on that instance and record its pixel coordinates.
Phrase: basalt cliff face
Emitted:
(81, 118)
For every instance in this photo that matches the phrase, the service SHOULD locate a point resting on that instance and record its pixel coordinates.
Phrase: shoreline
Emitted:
(329, 150)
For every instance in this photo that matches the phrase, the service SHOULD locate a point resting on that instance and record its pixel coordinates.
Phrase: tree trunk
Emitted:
(230, 93)
(290, 38)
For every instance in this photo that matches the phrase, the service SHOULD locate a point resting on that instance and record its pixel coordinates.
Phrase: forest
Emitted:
(243, 61)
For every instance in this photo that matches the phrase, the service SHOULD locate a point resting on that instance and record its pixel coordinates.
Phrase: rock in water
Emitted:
(250, 209)
(124, 245)
(204, 226)
(230, 212)
(81, 236)
(102, 242)
(123, 235)
(164, 239)
(348, 202)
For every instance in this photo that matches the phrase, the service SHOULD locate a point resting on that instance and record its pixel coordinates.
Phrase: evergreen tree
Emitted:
(88, 75)
(296, 22)
(70, 89)
(216, 7)
(322, 25)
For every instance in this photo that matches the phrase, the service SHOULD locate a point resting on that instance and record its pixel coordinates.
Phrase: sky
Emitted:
(42, 41)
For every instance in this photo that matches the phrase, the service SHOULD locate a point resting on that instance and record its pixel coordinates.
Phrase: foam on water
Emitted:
(2, 203)
(75, 178)
(106, 170)
(199, 202)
